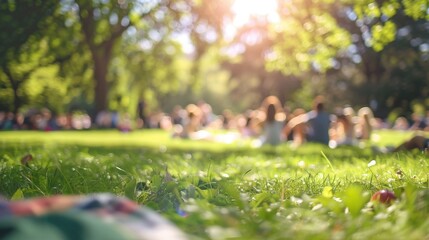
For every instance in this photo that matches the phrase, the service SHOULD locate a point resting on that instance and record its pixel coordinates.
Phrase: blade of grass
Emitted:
(327, 160)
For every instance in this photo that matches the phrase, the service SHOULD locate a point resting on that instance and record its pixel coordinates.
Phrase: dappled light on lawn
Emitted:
(233, 193)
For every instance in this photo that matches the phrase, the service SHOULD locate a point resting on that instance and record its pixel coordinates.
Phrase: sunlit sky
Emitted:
(245, 9)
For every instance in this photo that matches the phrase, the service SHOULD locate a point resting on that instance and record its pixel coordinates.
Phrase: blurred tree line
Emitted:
(95, 55)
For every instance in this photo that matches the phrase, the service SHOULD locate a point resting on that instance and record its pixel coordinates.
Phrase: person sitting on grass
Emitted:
(317, 122)
(343, 130)
(192, 126)
(416, 142)
(273, 122)
(365, 123)
(297, 133)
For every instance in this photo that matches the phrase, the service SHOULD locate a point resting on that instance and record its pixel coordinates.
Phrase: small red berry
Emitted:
(383, 196)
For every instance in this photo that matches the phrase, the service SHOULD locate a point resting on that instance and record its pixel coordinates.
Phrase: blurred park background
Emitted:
(144, 57)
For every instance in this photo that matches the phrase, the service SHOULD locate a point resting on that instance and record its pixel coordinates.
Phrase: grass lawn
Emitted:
(230, 191)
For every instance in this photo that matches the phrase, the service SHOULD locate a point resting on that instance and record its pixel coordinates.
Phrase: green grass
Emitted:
(222, 191)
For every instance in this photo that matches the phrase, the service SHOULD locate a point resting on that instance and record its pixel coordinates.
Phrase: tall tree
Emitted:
(103, 24)
(383, 65)
(18, 24)
(20, 36)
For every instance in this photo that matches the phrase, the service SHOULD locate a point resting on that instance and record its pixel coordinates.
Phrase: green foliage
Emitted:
(32, 48)
(18, 195)
(6, 94)
(154, 74)
(382, 35)
(112, 53)
(18, 24)
(381, 15)
(217, 191)
(416, 9)
(46, 90)
(18, 71)
(303, 97)
(307, 38)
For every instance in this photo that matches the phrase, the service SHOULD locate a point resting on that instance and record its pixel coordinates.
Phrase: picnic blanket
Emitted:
(98, 216)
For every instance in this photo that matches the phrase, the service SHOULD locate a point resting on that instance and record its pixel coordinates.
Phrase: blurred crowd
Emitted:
(270, 123)
(43, 120)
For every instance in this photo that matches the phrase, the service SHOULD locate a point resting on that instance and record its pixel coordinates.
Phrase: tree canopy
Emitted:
(106, 55)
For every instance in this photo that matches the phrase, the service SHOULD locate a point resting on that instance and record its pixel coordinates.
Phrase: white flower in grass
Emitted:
(296, 200)
(317, 207)
(372, 163)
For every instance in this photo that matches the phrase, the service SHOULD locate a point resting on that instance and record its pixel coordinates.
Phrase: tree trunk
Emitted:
(15, 86)
(101, 88)
(16, 100)
(101, 57)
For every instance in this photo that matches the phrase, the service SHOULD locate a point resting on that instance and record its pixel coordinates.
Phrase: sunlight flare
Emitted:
(244, 10)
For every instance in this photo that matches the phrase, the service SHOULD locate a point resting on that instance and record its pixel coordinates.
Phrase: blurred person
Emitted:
(192, 128)
(40, 122)
(380, 124)
(416, 142)
(115, 119)
(19, 122)
(248, 124)
(365, 123)
(103, 119)
(426, 120)
(8, 121)
(418, 122)
(125, 124)
(156, 119)
(2, 119)
(166, 123)
(193, 123)
(227, 117)
(273, 122)
(62, 122)
(241, 120)
(141, 113)
(49, 120)
(343, 129)
(317, 121)
(207, 115)
(69, 120)
(297, 133)
(178, 115)
(77, 122)
(86, 121)
(32, 120)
